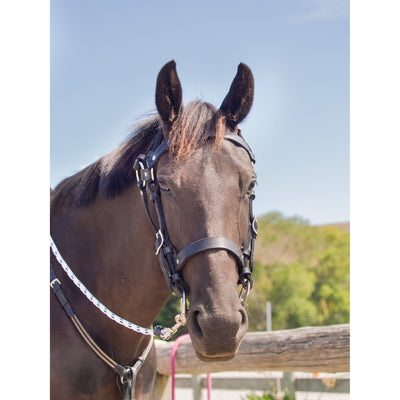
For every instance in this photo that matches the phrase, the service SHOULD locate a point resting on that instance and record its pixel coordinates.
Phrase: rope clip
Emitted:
(180, 320)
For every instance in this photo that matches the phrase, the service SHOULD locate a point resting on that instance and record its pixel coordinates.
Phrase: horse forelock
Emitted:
(194, 126)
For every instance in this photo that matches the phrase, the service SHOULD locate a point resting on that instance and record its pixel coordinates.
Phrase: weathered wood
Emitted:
(162, 388)
(310, 349)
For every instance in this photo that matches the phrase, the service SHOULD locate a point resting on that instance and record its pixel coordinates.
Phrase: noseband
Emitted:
(171, 261)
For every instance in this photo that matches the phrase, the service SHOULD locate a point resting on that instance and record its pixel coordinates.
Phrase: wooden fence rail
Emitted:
(310, 349)
(331, 385)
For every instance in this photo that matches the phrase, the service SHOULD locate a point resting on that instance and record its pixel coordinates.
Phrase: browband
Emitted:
(160, 146)
(238, 140)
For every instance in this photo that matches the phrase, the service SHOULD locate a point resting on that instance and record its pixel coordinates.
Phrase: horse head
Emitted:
(206, 187)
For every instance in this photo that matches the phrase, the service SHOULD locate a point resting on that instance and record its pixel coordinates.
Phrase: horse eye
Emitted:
(163, 186)
(251, 187)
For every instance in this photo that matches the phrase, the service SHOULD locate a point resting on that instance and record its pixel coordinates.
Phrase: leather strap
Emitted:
(239, 141)
(154, 156)
(126, 376)
(209, 243)
(172, 265)
(127, 382)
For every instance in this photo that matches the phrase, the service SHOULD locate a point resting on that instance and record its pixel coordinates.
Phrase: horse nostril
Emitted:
(243, 313)
(243, 324)
(195, 323)
(204, 325)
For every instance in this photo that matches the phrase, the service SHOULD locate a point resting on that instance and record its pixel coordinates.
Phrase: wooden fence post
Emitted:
(288, 382)
(196, 385)
(162, 388)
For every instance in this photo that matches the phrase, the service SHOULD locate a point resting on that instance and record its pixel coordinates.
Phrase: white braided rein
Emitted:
(92, 299)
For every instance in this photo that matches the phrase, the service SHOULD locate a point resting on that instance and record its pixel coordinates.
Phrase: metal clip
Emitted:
(180, 320)
(166, 333)
(160, 237)
(182, 314)
(246, 286)
(254, 226)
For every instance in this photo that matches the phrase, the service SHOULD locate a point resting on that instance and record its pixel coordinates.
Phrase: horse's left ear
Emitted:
(239, 100)
(168, 94)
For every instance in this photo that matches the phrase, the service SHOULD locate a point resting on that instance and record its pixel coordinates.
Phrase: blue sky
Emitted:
(105, 58)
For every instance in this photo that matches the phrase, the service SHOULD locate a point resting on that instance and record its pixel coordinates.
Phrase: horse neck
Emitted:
(109, 246)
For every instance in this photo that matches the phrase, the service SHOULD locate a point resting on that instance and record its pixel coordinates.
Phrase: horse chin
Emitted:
(211, 352)
(204, 358)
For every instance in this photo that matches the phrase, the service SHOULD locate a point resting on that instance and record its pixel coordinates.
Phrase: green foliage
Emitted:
(303, 271)
(270, 396)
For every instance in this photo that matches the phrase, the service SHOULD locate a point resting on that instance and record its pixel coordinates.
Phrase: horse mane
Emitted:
(113, 173)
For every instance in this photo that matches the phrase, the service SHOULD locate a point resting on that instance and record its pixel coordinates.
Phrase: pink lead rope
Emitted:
(208, 386)
(173, 352)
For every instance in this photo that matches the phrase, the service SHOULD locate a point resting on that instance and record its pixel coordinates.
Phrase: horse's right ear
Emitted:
(168, 94)
(239, 99)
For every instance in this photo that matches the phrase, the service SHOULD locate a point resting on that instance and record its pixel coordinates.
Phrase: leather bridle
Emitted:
(171, 261)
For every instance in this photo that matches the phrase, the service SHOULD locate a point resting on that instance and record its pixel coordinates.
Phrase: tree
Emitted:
(304, 272)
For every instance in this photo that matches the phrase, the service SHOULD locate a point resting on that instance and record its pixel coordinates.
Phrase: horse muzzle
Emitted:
(216, 336)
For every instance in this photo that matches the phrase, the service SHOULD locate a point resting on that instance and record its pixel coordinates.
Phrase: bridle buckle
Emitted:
(159, 242)
(254, 226)
(53, 282)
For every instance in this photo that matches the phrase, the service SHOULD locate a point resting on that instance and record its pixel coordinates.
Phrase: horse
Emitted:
(194, 186)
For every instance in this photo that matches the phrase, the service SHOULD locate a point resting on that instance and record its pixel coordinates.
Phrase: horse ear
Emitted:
(239, 99)
(168, 94)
